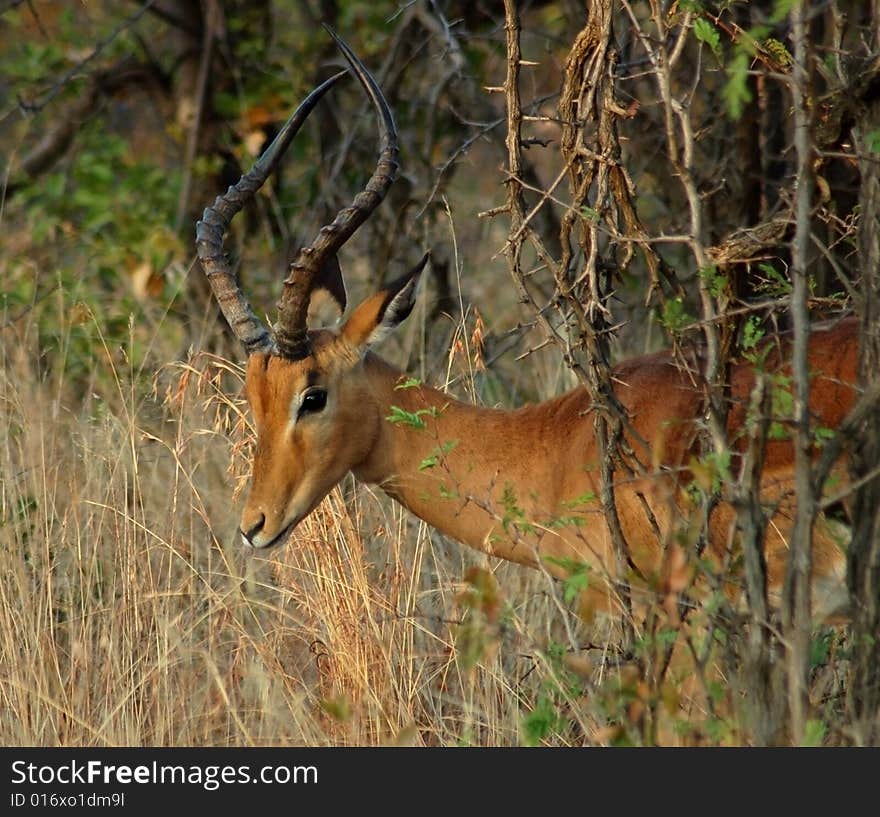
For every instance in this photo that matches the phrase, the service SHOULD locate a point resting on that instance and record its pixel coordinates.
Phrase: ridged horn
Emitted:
(291, 332)
(211, 230)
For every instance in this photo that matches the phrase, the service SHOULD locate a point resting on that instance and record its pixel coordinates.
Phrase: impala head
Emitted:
(306, 388)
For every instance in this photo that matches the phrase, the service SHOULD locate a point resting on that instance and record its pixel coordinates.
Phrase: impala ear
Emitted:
(379, 314)
(328, 298)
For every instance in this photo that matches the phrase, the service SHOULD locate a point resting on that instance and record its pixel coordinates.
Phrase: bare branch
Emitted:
(32, 106)
(796, 605)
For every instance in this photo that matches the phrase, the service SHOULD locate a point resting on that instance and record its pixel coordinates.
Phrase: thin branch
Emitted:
(29, 107)
(796, 604)
(11, 4)
(173, 20)
(54, 141)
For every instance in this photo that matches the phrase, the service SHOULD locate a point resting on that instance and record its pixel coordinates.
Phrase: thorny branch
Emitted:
(588, 99)
(601, 203)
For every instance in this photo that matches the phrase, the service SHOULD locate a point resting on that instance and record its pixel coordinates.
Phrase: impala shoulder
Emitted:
(655, 376)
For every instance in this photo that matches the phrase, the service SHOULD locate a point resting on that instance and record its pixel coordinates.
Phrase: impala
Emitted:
(520, 485)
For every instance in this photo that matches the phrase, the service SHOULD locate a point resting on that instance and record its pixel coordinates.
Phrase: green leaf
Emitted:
(675, 317)
(781, 10)
(433, 459)
(783, 399)
(447, 493)
(429, 462)
(584, 499)
(820, 649)
(557, 522)
(814, 733)
(414, 419)
(717, 729)
(713, 280)
(736, 91)
(705, 32)
(777, 431)
(578, 577)
(778, 52)
(540, 722)
(401, 416)
(718, 464)
(776, 284)
(574, 584)
(822, 435)
(752, 332)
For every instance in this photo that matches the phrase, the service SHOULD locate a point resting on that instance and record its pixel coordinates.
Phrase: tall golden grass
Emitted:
(130, 615)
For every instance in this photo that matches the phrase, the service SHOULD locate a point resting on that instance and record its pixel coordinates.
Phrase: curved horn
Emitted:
(211, 230)
(291, 333)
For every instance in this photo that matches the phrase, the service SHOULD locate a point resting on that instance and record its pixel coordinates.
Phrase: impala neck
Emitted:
(450, 463)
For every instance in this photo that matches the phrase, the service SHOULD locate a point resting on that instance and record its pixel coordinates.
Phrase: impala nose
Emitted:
(249, 534)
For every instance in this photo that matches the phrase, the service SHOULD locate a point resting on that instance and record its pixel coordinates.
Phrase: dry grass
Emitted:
(129, 615)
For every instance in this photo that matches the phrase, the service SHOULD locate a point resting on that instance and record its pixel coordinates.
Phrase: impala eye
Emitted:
(313, 401)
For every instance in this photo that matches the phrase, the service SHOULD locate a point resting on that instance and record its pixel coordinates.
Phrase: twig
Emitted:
(796, 601)
(453, 157)
(37, 19)
(11, 4)
(173, 20)
(29, 107)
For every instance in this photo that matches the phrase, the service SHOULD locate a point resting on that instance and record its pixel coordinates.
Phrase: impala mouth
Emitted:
(282, 535)
(279, 539)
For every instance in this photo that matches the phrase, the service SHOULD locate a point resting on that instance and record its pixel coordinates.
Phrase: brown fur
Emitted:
(511, 482)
